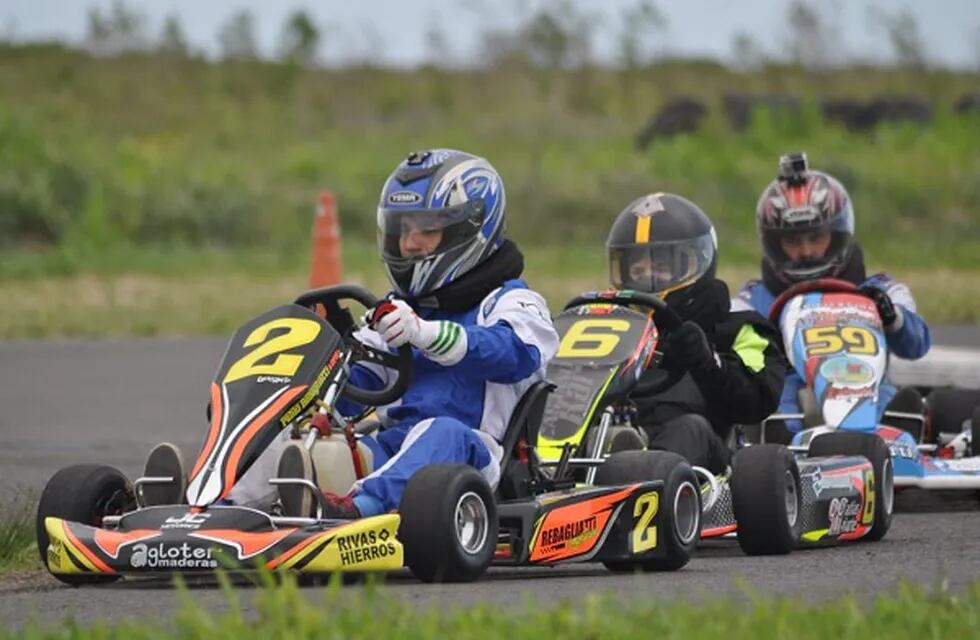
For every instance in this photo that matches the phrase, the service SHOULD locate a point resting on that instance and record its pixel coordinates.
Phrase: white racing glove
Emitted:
(441, 341)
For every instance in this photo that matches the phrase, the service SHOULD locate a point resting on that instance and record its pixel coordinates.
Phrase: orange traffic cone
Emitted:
(325, 264)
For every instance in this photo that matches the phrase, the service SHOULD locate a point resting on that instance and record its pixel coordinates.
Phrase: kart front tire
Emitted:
(82, 493)
(448, 523)
(766, 499)
(872, 447)
(680, 510)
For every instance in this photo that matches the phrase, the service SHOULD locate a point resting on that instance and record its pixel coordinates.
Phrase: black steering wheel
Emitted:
(665, 319)
(340, 318)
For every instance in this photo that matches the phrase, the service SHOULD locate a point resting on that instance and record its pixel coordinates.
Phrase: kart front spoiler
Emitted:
(186, 541)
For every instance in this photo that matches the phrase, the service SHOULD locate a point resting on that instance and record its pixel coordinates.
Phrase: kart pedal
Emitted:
(296, 499)
(165, 460)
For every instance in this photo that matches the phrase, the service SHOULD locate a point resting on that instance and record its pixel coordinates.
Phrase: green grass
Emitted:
(147, 195)
(98, 153)
(18, 546)
(149, 292)
(284, 612)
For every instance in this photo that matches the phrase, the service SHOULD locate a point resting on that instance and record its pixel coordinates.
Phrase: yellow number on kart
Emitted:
(578, 342)
(299, 331)
(868, 516)
(644, 509)
(821, 341)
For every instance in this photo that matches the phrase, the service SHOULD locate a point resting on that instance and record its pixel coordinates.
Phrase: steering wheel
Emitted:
(401, 361)
(822, 285)
(665, 319)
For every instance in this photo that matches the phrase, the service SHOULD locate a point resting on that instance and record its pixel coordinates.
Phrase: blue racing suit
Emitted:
(907, 338)
(456, 413)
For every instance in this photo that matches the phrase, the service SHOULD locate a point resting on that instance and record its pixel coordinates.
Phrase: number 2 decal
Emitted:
(579, 343)
(821, 341)
(299, 331)
(644, 535)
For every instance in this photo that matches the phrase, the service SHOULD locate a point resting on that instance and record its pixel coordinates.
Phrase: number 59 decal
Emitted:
(821, 341)
(299, 331)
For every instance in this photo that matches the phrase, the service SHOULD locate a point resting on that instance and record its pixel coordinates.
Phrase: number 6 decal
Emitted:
(578, 342)
(299, 331)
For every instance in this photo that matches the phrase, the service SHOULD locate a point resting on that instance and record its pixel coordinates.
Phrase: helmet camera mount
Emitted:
(793, 168)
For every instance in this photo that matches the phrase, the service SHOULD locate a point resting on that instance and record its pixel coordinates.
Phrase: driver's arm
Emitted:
(512, 340)
(908, 337)
(747, 382)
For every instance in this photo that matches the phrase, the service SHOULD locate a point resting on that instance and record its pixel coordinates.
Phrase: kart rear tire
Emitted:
(947, 409)
(436, 549)
(766, 499)
(975, 432)
(872, 447)
(680, 525)
(82, 493)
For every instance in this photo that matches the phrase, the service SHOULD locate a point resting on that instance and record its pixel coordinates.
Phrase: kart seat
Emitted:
(522, 430)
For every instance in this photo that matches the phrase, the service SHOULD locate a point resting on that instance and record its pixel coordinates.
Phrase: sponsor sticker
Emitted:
(569, 535)
(822, 482)
(847, 371)
(363, 546)
(404, 197)
(843, 514)
(187, 521)
(171, 556)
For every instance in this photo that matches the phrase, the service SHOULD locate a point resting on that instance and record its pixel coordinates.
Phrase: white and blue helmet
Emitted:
(454, 192)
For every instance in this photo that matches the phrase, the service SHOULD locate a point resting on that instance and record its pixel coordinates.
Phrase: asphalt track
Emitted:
(67, 402)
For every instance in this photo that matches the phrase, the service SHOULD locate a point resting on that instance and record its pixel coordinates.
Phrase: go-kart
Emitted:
(286, 370)
(835, 340)
(771, 499)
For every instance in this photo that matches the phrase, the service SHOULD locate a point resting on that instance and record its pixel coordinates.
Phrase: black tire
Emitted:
(766, 498)
(433, 549)
(975, 432)
(681, 522)
(81, 493)
(948, 408)
(876, 451)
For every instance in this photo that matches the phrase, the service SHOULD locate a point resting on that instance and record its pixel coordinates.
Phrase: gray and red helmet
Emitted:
(800, 201)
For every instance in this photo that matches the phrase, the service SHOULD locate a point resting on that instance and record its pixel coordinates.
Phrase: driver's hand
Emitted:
(688, 349)
(886, 308)
(441, 341)
(397, 323)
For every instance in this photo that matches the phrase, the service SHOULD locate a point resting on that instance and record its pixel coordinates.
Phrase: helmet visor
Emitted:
(806, 254)
(660, 267)
(407, 236)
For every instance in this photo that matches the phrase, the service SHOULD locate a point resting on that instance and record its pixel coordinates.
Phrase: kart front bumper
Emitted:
(363, 545)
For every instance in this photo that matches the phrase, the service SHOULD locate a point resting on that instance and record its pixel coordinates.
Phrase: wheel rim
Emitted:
(887, 486)
(792, 502)
(687, 512)
(472, 523)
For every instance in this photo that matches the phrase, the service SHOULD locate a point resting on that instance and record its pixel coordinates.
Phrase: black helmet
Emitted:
(661, 243)
(802, 201)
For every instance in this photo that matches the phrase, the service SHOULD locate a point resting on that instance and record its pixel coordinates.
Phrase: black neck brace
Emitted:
(506, 263)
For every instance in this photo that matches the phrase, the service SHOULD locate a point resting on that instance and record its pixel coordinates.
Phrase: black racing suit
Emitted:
(694, 416)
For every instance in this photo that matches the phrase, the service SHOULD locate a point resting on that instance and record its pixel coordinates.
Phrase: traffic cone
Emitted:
(325, 263)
